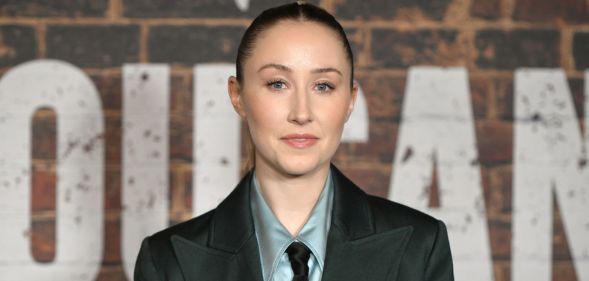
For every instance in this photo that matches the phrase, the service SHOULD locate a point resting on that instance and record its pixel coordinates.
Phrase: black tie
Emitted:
(299, 254)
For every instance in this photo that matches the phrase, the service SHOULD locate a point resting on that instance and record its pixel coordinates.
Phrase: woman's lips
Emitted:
(300, 140)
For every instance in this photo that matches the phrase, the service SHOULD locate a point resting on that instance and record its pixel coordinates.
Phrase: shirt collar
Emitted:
(273, 238)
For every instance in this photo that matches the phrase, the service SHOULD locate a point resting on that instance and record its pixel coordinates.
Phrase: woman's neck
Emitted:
(291, 198)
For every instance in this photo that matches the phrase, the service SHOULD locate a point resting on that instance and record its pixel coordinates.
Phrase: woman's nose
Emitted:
(300, 112)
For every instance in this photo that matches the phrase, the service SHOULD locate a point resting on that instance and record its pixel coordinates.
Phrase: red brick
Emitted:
(504, 98)
(44, 134)
(502, 270)
(112, 139)
(112, 241)
(500, 239)
(581, 50)
(176, 195)
(188, 178)
(112, 188)
(400, 9)
(373, 180)
(577, 88)
(181, 138)
(93, 46)
(180, 44)
(433, 189)
(494, 142)
(43, 190)
(41, 8)
(563, 271)
(110, 89)
(357, 39)
(486, 9)
(342, 152)
(17, 43)
(497, 188)
(111, 273)
(196, 9)
(43, 240)
(384, 95)
(480, 89)
(181, 99)
(402, 49)
(543, 11)
(507, 50)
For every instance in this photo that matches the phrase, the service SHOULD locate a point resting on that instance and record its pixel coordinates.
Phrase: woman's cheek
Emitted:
(264, 116)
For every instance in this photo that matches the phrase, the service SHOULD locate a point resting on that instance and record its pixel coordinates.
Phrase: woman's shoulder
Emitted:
(157, 255)
(389, 215)
(427, 251)
(195, 230)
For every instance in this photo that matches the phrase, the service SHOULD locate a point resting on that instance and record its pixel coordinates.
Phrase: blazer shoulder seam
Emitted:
(434, 243)
(150, 254)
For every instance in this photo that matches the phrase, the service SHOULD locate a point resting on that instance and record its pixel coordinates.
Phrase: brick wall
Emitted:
(490, 38)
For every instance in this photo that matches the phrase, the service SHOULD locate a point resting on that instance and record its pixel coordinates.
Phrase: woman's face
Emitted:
(295, 96)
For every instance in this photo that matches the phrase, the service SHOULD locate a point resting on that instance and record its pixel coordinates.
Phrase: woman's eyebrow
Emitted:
(275, 65)
(326, 69)
(288, 69)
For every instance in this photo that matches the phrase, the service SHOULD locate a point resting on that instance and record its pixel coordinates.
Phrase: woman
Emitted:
(294, 216)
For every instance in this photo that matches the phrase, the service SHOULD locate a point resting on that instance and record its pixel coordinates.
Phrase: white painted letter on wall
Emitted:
(146, 95)
(437, 123)
(217, 137)
(80, 171)
(549, 158)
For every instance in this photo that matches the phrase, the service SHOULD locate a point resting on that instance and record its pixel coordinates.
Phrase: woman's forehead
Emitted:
(299, 42)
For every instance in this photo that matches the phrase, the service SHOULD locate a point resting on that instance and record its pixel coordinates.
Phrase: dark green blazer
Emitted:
(370, 238)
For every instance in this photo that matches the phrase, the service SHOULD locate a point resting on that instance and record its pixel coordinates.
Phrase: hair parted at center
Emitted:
(297, 11)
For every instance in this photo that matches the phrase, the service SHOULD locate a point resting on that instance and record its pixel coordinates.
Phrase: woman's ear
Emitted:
(354, 93)
(234, 90)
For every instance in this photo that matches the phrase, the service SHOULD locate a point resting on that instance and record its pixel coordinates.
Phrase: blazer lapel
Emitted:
(231, 252)
(202, 263)
(355, 251)
(375, 258)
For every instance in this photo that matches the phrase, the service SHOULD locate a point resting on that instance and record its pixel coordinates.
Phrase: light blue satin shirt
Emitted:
(273, 238)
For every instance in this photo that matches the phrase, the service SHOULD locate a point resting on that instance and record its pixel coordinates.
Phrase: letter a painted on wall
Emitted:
(437, 124)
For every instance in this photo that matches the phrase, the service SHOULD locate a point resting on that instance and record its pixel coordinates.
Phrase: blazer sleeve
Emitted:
(439, 263)
(144, 267)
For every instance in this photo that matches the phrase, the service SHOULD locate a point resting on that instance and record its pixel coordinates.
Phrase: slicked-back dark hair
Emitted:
(297, 11)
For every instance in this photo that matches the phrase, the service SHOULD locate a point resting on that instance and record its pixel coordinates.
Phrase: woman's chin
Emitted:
(296, 166)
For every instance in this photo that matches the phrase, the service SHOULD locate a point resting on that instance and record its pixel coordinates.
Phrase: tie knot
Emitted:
(299, 254)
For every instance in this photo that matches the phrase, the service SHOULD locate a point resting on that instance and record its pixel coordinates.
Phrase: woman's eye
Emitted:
(276, 85)
(324, 87)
